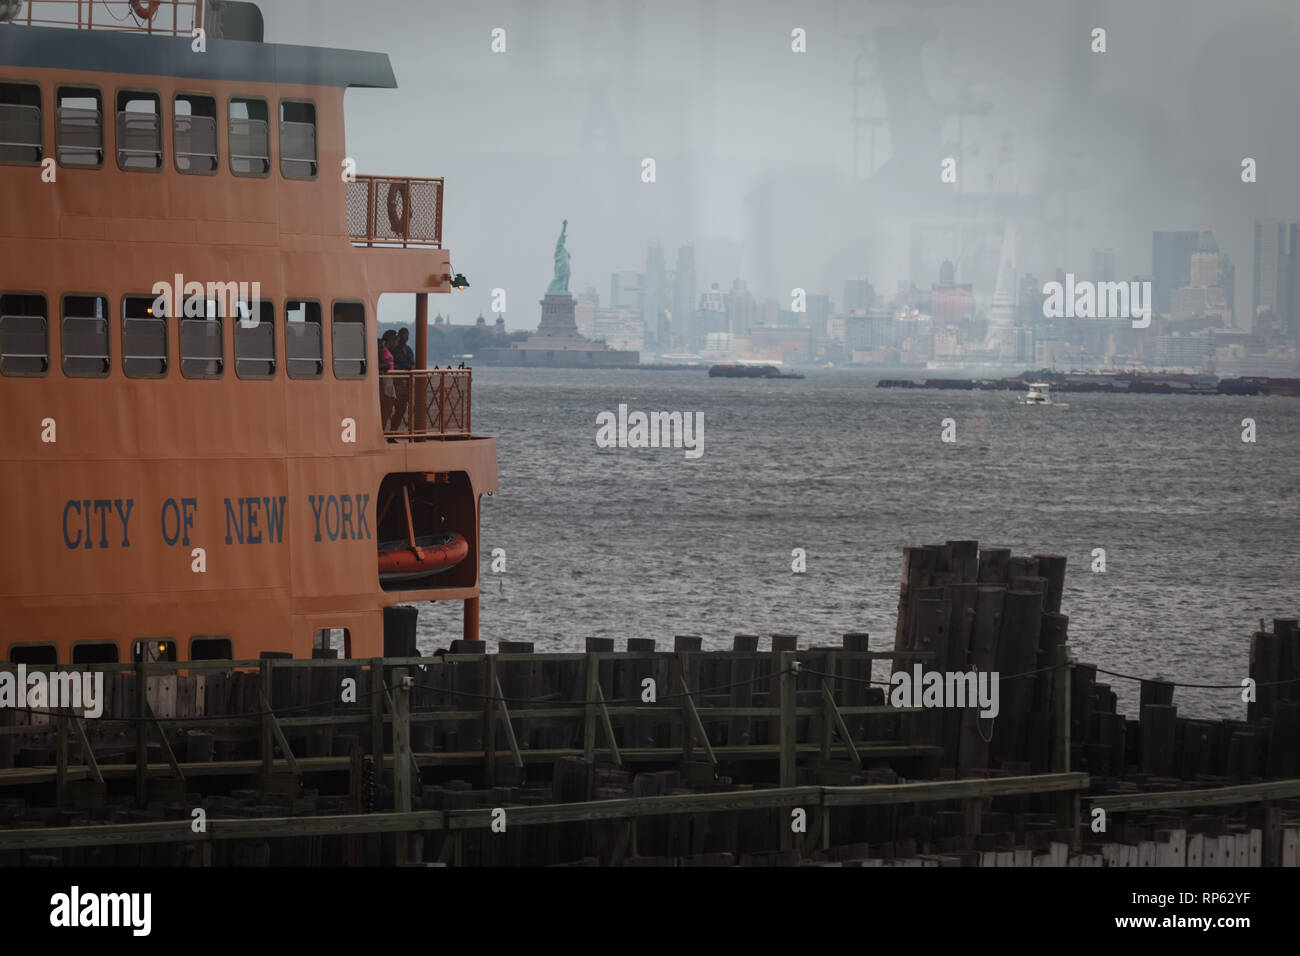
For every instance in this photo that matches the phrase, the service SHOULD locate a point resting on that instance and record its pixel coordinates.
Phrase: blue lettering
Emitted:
(274, 518)
(72, 504)
(188, 507)
(362, 514)
(85, 513)
(316, 508)
(171, 538)
(252, 506)
(124, 517)
(334, 502)
(102, 508)
(234, 516)
(346, 528)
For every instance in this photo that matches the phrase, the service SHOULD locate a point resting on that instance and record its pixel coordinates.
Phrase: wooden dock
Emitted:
(784, 755)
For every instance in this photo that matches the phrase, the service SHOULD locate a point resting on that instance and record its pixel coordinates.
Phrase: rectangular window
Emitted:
(297, 140)
(255, 339)
(24, 335)
(94, 652)
(33, 655)
(250, 137)
(150, 649)
(202, 345)
(210, 647)
(139, 130)
(79, 126)
(21, 141)
(144, 338)
(85, 336)
(349, 340)
(194, 120)
(303, 343)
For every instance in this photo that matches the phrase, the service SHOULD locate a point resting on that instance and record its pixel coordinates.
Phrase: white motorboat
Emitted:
(1040, 393)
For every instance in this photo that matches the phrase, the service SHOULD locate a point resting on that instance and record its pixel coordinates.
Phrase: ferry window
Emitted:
(250, 137)
(144, 338)
(79, 126)
(297, 140)
(85, 336)
(149, 649)
(194, 125)
(202, 347)
(95, 652)
(210, 647)
(139, 130)
(332, 642)
(255, 339)
(24, 335)
(30, 654)
(21, 141)
(349, 340)
(303, 343)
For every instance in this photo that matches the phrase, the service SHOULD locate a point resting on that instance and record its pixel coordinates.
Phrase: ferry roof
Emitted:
(104, 52)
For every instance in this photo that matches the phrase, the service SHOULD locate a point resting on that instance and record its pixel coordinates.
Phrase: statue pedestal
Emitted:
(557, 317)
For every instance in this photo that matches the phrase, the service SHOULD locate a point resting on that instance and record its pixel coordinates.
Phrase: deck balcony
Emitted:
(397, 211)
(173, 18)
(429, 405)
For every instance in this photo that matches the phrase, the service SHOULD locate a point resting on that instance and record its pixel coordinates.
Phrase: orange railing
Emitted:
(429, 403)
(163, 17)
(395, 210)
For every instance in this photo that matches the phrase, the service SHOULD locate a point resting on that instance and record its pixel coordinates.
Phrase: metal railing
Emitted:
(429, 403)
(161, 17)
(395, 210)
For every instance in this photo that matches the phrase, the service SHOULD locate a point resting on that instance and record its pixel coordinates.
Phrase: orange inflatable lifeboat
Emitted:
(431, 554)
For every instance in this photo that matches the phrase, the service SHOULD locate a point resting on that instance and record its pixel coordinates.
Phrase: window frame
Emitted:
(103, 131)
(40, 91)
(230, 153)
(108, 333)
(49, 351)
(216, 122)
(221, 321)
(167, 337)
(315, 126)
(17, 645)
(96, 642)
(288, 367)
(365, 343)
(236, 325)
(211, 639)
(162, 132)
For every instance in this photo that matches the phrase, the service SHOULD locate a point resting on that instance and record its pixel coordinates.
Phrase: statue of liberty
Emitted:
(560, 284)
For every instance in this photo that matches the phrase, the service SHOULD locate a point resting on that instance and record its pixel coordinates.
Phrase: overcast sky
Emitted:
(754, 144)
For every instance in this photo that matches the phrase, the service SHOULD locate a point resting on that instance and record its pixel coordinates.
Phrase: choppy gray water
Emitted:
(1201, 530)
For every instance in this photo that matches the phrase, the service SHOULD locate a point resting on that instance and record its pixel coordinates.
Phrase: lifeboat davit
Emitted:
(431, 554)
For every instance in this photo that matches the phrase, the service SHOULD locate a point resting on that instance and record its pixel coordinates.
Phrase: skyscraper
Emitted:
(1269, 288)
(1205, 264)
(1103, 265)
(683, 290)
(1171, 264)
(859, 296)
(654, 289)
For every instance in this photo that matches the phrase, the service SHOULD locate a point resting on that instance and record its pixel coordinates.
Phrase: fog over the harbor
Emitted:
(754, 144)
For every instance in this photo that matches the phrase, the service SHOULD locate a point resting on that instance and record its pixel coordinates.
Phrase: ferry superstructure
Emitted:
(211, 477)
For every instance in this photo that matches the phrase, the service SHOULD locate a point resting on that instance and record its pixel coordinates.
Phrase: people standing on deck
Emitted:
(404, 359)
(387, 393)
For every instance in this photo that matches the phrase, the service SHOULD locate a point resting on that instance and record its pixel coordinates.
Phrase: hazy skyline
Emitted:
(754, 143)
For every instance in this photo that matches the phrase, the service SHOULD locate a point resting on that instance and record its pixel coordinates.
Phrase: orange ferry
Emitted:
(199, 458)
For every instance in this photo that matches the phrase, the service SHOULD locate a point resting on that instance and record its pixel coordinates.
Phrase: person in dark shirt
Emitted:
(403, 361)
